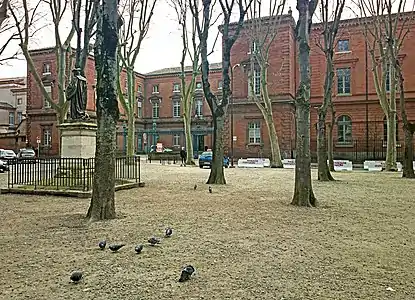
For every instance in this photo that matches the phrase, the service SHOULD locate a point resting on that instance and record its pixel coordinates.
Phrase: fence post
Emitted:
(139, 169)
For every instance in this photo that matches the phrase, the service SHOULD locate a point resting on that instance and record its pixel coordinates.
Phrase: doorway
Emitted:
(198, 143)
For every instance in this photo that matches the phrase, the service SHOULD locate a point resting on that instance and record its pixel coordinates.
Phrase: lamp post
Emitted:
(232, 141)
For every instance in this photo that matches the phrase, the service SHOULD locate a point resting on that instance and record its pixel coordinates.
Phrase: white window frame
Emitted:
(257, 82)
(176, 87)
(47, 137)
(139, 109)
(199, 108)
(345, 125)
(12, 119)
(46, 103)
(156, 108)
(200, 87)
(156, 89)
(340, 50)
(176, 109)
(46, 69)
(176, 140)
(19, 100)
(254, 133)
(343, 91)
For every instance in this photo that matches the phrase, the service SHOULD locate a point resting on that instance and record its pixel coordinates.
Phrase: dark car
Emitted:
(205, 159)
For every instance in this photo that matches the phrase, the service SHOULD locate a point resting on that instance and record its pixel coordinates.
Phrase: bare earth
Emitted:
(245, 240)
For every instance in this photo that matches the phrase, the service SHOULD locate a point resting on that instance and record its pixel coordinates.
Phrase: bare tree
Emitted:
(398, 26)
(106, 64)
(190, 48)
(303, 193)
(218, 105)
(330, 26)
(129, 48)
(8, 31)
(262, 32)
(3, 11)
(374, 21)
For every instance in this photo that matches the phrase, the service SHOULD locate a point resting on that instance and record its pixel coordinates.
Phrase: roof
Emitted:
(177, 70)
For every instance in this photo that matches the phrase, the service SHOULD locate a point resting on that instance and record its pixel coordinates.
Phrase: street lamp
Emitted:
(232, 69)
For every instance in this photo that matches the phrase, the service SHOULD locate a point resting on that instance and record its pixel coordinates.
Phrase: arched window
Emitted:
(344, 130)
(385, 129)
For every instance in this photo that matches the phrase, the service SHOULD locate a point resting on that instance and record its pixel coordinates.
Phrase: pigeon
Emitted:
(210, 189)
(116, 247)
(102, 244)
(76, 276)
(169, 232)
(195, 187)
(186, 273)
(138, 249)
(154, 241)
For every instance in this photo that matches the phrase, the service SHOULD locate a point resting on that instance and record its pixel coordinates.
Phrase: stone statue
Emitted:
(76, 93)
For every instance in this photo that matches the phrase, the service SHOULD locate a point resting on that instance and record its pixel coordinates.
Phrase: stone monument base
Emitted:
(78, 139)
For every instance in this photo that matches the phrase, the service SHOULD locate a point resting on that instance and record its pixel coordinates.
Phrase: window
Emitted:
(176, 109)
(156, 110)
(155, 89)
(385, 130)
(388, 79)
(19, 101)
(46, 69)
(11, 119)
(257, 82)
(19, 117)
(254, 133)
(46, 103)
(176, 140)
(176, 87)
(198, 85)
(343, 81)
(199, 108)
(139, 109)
(344, 130)
(47, 137)
(140, 89)
(254, 47)
(219, 84)
(343, 46)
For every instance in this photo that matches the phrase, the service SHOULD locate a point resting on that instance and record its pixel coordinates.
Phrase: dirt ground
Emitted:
(245, 240)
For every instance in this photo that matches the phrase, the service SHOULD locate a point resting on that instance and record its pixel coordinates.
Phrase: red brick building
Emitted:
(359, 131)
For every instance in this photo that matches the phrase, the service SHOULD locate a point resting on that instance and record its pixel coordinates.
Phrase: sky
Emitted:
(160, 49)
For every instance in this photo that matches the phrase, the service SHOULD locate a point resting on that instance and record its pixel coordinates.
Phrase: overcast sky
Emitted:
(160, 49)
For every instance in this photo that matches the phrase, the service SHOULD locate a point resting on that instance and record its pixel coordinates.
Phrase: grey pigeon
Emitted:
(210, 189)
(76, 276)
(169, 232)
(138, 249)
(186, 273)
(195, 187)
(154, 241)
(116, 247)
(102, 244)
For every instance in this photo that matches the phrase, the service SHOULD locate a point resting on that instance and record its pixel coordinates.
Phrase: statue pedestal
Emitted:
(78, 139)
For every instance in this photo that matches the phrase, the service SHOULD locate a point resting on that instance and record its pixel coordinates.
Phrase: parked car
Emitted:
(153, 148)
(26, 154)
(8, 156)
(205, 159)
(3, 166)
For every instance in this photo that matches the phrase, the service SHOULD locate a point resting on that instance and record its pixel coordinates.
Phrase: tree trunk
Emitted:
(217, 175)
(276, 161)
(303, 192)
(330, 147)
(390, 164)
(408, 168)
(130, 134)
(188, 136)
(103, 194)
(322, 155)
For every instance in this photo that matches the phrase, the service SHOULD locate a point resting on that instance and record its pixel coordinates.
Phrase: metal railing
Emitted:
(67, 173)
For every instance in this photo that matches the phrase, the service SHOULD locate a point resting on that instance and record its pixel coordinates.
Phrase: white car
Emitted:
(8, 155)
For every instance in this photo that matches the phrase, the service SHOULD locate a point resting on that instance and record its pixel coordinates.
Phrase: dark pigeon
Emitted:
(102, 244)
(195, 187)
(138, 249)
(168, 232)
(210, 189)
(186, 273)
(154, 241)
(116, 247)
(76, 276)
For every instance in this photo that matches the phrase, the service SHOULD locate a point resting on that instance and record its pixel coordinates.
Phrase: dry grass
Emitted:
(244, 239)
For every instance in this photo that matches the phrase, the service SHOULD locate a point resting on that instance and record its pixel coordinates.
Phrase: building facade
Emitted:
(13, 93)
(359, 123)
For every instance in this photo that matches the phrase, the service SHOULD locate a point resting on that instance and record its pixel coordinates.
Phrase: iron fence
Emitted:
(67, 173)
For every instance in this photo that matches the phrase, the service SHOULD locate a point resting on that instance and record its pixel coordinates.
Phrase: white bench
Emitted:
(288, 163)
(342, 165)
